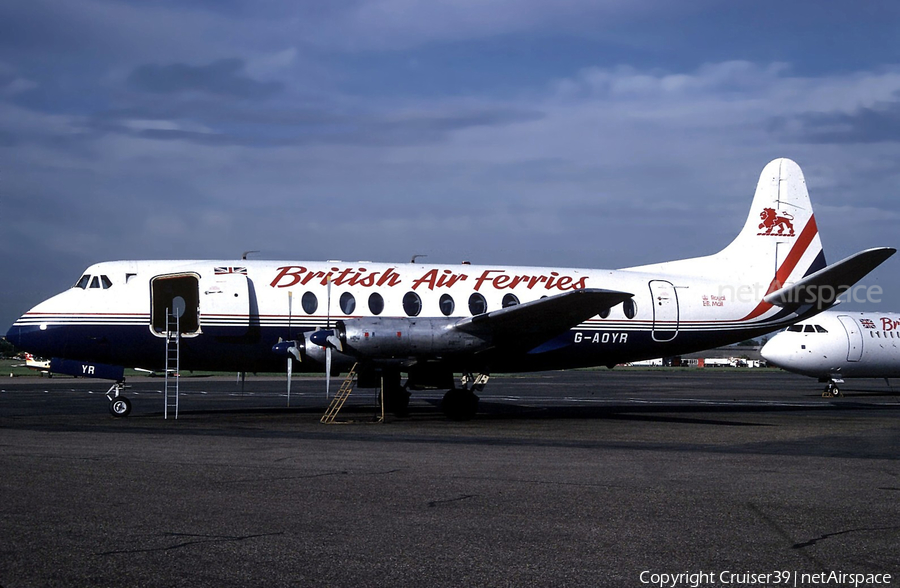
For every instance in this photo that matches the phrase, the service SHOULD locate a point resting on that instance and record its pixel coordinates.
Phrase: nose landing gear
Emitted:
(119, 405)
(831, 388)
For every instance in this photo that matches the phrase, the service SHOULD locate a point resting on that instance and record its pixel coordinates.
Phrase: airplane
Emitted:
(33, 363)
(836, 345)
(432, 321)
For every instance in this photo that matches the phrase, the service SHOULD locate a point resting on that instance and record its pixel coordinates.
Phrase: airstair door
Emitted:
(665, 310)
(854, 337)
(170, 291)
(225, 303)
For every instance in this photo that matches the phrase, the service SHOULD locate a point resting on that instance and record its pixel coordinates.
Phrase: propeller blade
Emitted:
(290, 369)
(335, 342)
(328, 372)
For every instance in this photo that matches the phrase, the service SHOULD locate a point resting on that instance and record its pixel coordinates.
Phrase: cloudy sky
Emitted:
(587, 133)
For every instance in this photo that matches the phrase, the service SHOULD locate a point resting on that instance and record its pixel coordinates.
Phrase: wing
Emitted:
(823, 287)
(529, 324)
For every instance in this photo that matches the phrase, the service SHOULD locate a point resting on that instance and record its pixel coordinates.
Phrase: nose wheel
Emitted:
(119, 406)
(832, 390)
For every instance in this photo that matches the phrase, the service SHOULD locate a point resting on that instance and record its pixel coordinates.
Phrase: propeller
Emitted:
(329, 339)
(291, 350)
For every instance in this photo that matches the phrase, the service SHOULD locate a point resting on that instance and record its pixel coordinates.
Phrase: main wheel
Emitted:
(459, 404)
(120, 406)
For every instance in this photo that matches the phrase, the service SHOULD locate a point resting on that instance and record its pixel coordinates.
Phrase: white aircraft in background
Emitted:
(33, 363)
(433, 321)
(835, 345)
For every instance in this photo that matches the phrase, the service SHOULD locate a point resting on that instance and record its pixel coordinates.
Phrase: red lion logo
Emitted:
(770, 220)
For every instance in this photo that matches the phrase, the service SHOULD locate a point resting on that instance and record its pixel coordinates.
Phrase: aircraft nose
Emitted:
(776, 351)
(13, 335)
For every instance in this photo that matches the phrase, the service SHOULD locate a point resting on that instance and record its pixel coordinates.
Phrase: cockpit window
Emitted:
(89, 281)
(795, 329)
(809, 329)
(821, 329)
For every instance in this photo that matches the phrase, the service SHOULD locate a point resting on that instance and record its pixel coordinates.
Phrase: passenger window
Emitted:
(795, 329)
(95, 282)
(809, 329)
(348, 303)
(105, 282)
(604, 313)
(376, 303)
(412, 304)
(629, 307)
(83, 282)
(821, 329)
(309, 302)
(509, 300)
(447, 304)
(477, 304)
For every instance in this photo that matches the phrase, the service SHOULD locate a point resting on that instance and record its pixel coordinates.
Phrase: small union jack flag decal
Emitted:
(230, 270)
(867, 323)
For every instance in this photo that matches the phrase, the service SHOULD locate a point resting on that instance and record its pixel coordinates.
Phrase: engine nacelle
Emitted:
(388, 338)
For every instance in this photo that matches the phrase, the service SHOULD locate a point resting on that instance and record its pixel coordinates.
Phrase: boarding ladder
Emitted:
(173, 362)
(338, 401)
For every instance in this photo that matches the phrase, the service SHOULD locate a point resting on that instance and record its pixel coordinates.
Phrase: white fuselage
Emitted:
(837, 344)
(243, 308)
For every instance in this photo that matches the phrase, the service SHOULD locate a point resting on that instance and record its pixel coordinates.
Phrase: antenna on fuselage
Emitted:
(246, 253)
(416, 256)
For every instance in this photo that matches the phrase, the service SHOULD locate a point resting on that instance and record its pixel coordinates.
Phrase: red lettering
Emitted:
(517, 280)
(485, 276)
(355, 279)
(292, 271)
(312, 276)
(390, 277)
(428, 279)
(501, 281)
(563, 283)
(342, 277)
(536, 280)
(887, 324)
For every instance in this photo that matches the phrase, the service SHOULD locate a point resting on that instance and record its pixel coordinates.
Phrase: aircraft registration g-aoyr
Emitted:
(431, 322)
(835, 345)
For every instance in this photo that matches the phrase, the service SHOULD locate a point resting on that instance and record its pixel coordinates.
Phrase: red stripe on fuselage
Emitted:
(788, 266)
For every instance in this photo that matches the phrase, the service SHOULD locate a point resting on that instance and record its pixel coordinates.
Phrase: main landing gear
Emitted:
(119, 406)
(461, 404)
(831, 388)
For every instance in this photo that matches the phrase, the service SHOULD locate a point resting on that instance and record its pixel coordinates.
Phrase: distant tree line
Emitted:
(7, 349)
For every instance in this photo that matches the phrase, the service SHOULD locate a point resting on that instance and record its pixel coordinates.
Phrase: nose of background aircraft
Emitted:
(776, 350)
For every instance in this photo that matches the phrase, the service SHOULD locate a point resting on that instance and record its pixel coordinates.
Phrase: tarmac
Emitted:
(581, 478)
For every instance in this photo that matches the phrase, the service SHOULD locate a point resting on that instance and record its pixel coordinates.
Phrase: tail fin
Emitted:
(779, 242)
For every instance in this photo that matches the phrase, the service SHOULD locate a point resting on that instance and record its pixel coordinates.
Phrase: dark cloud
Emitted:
(221, 78)
(880, 124)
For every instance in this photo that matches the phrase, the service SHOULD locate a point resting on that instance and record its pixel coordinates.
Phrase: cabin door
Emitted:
(179, 294)
(854, 337)
(665, 310)
(225, 303)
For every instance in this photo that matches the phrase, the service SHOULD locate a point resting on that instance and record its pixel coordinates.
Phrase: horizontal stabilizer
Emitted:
(823, 287)
(533, 322)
